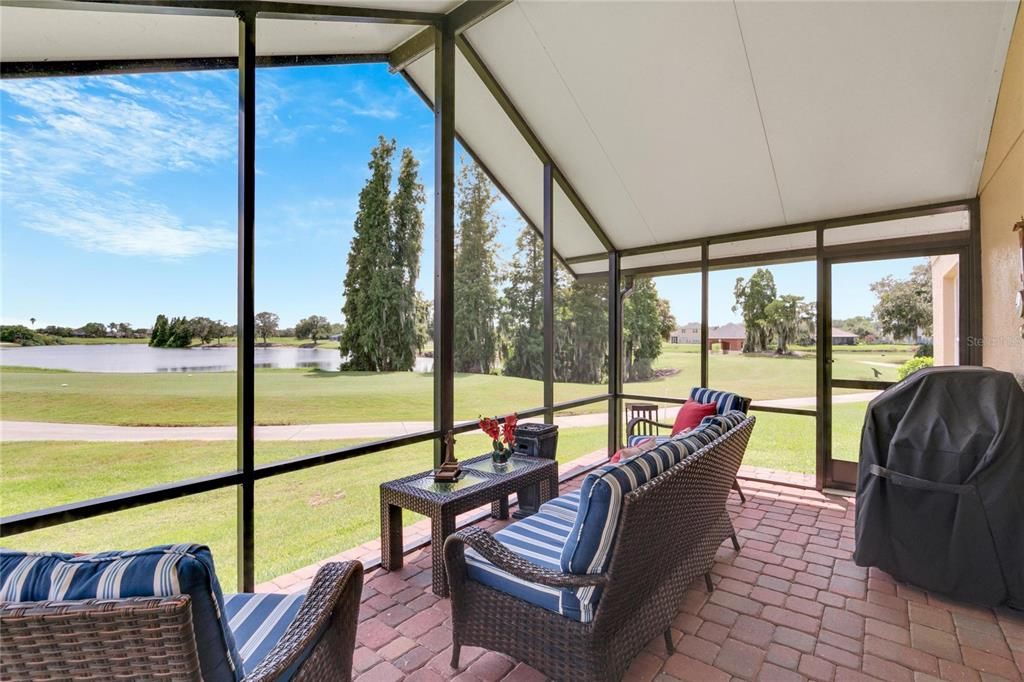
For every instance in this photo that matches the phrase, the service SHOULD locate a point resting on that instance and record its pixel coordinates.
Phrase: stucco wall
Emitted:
(945, 309)
(1002, 205)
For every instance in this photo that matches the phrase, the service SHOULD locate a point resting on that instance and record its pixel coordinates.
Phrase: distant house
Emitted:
(729, 337)
(841, 337)
(688, 333)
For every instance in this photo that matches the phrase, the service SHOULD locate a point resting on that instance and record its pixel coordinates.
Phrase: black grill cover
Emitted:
(940, 495)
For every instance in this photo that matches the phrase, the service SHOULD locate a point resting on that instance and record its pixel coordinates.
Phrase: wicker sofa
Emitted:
(187, 630)
(640, 429)
(537, 591)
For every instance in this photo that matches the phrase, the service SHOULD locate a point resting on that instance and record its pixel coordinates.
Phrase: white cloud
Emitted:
(72, 158)
(365, 101)
(125, 226)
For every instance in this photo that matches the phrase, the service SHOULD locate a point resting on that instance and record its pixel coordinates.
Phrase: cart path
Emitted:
(51, 431)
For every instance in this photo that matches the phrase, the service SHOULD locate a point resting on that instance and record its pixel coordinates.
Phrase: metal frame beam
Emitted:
(444, 236)
(265, 8)
(463, 17)
(704, 313)
(245, 441)
(614, 352)
(549, 294)
(566, 262)
(823, 373)
(116, 67)
(517, 119)
(809, 226)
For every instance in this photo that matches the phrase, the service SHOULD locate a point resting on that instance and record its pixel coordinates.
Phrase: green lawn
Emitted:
(311, 396)
(301, 517)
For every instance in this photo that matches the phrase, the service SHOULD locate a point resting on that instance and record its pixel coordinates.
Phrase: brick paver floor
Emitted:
(791, 605)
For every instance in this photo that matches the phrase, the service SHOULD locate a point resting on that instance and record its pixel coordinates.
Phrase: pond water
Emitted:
(140, 358)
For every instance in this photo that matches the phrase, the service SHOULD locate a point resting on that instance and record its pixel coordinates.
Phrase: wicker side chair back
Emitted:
(152, 638)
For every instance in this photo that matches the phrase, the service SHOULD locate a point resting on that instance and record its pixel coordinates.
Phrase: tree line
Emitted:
(178, 332)
(498, 306)
(902, 311)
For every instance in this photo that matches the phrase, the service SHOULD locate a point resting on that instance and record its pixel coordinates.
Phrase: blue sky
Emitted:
(118, 197)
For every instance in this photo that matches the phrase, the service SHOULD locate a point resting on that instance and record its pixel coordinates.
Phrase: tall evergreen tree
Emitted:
(641, 331)
(370, 298)
(158, 337)
(476, 297)
(522, 314)
(405, 322)
(581, 341)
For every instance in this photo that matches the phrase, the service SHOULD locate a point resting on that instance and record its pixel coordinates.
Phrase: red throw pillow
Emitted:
(690, 415)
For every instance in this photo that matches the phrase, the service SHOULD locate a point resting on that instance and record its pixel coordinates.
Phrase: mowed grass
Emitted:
(283, 396)
(300, 396)
(301, 517)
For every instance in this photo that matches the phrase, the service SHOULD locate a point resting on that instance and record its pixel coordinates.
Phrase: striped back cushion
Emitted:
(724, 422)
(589, 546)
(155, 572)
(723, 400)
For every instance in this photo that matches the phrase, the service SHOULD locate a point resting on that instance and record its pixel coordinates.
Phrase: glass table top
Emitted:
(427, 482)
(487, 465)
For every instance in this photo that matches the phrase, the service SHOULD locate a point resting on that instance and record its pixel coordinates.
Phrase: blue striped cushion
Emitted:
(158, 571)
(685, 445)
(258, 621)
(633, 441)
(539, 540)
(724, 422)
(590, 545)
(723, 400)
(566, 505)
(593, 533)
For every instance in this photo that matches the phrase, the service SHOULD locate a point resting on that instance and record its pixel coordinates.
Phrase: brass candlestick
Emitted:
(450, 470)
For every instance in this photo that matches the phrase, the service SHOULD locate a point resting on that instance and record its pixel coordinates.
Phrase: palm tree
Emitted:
(32, 321)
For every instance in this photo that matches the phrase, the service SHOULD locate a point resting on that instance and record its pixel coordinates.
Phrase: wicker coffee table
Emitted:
(480, 483)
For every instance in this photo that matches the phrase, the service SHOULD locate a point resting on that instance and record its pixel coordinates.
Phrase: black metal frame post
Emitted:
(245, 396)
(614, 351)
(549, 295)
(444, 235)
(823, 424)
(971, 272)
(705, 248)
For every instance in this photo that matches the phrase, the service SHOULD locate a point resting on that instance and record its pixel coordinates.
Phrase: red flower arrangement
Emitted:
(502, 435)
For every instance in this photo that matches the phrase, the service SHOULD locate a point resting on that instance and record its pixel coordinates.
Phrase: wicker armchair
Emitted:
(153, 638)
(643, 587)
(641, 426)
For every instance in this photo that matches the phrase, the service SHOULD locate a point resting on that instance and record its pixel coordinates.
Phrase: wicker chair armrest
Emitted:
(491, 549)
(643, 420)
(324, 627)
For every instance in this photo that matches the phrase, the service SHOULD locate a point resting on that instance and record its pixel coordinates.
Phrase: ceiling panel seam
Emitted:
(757, 102)
(586, 120)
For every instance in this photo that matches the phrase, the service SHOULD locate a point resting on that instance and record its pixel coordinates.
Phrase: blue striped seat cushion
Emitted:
(566, 505)
(258, 621)
(155, 572)
(539, 540)
(723, 400)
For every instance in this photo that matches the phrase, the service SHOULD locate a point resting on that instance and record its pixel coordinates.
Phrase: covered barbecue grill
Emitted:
(940, 496)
